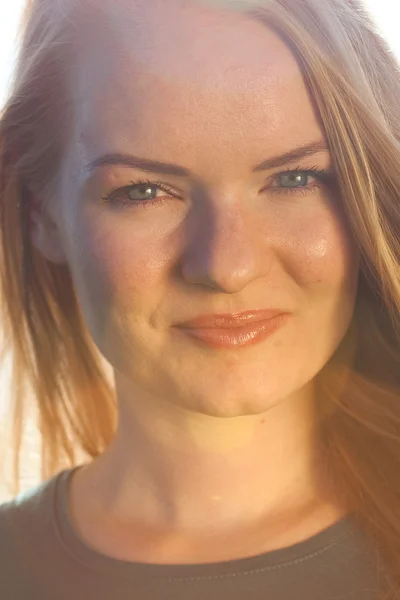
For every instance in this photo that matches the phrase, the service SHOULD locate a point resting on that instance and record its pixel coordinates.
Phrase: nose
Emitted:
(223, 250)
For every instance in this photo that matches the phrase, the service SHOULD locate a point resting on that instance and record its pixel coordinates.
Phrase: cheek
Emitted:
(121, 264)
(318, 250)
(117, 275)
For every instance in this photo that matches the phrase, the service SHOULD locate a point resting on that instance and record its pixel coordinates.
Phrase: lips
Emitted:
(231, 321)
(234, 331)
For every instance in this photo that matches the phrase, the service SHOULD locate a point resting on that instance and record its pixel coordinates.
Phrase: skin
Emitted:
(210, 442)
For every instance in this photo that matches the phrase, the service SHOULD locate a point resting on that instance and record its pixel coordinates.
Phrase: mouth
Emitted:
(235, 331)
(231, 321)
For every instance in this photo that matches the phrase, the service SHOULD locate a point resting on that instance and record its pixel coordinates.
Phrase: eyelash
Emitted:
(326, 177)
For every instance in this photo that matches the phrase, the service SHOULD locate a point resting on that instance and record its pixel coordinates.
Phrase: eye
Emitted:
(294, 178)
(294, 181)
(141, 193)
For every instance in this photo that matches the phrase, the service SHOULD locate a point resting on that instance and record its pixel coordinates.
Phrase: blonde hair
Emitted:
(354, 81)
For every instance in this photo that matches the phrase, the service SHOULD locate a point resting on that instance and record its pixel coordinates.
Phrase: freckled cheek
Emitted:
(319, 251)
(123, 264)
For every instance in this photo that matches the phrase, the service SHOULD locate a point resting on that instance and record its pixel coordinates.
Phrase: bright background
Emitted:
(387, 17)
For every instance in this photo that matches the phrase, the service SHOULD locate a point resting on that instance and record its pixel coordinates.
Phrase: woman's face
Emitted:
(216, 95)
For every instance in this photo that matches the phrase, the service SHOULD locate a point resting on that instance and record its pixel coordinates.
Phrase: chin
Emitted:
(228, 404)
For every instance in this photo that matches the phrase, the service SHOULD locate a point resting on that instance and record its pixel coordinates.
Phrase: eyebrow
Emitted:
(155, 166)
(292, 155)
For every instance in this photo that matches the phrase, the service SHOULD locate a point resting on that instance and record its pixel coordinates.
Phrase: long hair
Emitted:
(354, 81)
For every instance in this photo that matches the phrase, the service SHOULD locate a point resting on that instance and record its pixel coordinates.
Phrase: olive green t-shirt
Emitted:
(43, 558)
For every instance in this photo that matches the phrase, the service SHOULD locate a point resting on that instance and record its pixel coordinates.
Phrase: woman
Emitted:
(201, 199)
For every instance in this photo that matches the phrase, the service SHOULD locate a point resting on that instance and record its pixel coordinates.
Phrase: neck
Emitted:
(181, 471)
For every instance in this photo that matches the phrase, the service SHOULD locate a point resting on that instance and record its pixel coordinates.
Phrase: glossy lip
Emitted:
(230, 321)
(237, 336)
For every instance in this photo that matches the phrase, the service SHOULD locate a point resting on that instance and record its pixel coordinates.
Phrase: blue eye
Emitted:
(140, 193)
(295, 178)
(293, 181)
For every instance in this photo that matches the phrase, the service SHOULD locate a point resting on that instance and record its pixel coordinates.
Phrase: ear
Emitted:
(45, 232)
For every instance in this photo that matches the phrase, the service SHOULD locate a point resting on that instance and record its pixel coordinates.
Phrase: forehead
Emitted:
(172, 69)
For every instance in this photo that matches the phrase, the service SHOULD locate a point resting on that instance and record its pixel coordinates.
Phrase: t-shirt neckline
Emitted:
(93, 559)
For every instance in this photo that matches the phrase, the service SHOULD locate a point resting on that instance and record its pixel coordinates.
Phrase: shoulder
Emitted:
(23, 509)
(24, 522)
